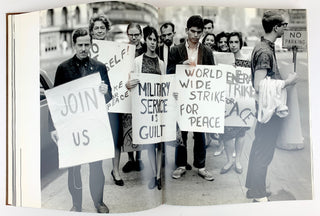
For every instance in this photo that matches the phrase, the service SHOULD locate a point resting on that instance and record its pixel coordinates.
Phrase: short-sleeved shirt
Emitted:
(263, 57)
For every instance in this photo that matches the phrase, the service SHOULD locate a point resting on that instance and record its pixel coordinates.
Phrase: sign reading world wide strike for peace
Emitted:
(153, 109)
(81, 121)
(119, 60)
(240, 102)
(201, 100)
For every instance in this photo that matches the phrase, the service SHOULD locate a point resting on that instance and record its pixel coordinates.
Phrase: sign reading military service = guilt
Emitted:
(201, 99)
(153, 109)
(81, 121)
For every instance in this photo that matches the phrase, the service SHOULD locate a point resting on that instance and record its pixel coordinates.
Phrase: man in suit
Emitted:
(191, 53)
(167, 34)
(78, 66)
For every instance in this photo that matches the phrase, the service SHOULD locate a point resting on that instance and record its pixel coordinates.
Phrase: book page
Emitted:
(226, 155)
(294, 208)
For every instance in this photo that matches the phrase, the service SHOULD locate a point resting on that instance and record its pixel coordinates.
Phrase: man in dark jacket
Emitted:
(191, 53)
(78, 66)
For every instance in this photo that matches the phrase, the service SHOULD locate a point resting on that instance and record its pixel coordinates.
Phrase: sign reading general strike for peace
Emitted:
(153, 109)
(81, 120)
(240, 102)
(201, 100)
(119, 60)
(295, 38)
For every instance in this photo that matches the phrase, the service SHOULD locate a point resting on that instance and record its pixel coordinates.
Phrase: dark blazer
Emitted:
(160, 52)
(69, 70)
(178, 54)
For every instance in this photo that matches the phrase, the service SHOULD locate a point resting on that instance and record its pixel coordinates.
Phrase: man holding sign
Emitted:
(78, 66)
(191, 53)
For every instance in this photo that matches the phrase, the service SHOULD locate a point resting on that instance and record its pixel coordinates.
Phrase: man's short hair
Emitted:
(134, 25)
(237, 34)
(206, 21)
(195, 21)
(270, 19)
(80, 32)
(165, 25)
(103, 18)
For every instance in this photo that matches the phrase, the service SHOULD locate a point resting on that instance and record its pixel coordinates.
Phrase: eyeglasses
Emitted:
(283, 24)
(133, 35)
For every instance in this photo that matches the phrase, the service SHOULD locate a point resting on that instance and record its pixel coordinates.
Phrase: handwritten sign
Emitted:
(81, 121)
(240, 102)
(295, 38)
(201, 100)
(223, 58)
(119, 60)
(153, 109)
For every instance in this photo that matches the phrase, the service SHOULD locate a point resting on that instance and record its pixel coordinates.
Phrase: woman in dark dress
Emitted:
(233, 137)
(149, 62)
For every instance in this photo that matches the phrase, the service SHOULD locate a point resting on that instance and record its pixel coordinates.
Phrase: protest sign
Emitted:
(240, 102)
(201, 100)
(81, 121)
(119, 60)
(223, 58)
(153, 109)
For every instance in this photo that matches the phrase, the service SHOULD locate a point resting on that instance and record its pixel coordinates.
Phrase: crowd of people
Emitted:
(158, 54)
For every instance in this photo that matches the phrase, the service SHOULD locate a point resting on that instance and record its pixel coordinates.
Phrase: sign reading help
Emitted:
(119, 60)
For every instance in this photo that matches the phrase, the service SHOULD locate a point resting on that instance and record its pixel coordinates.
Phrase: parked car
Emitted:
(49, 150)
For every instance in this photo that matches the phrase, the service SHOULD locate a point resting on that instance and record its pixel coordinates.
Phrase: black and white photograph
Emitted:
(222, 118)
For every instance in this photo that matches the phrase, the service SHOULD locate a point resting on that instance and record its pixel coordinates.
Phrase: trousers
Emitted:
(261, 155)
(199, 150)
(96, 183)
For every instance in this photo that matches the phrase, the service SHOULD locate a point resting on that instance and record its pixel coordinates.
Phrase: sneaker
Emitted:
(205, 174)
(180, 171)
(263, 199)
(102, 208)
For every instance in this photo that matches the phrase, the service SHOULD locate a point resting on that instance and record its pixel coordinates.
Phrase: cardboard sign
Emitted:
(295, 38)
(153, 109)
(81, 121)
(223, 58)
(201, 100)
(240, 102)
(119, 60)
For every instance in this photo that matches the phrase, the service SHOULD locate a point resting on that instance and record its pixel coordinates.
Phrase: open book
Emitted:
(38, 178)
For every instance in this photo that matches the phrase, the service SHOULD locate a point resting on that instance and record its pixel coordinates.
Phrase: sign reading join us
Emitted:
(81, 120)
(119, 60)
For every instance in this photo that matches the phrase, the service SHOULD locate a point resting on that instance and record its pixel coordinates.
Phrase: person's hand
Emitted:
(103, 88)
(175, 95)
(54, 136)
(291, 79)
(188, 62)
(132, 83)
